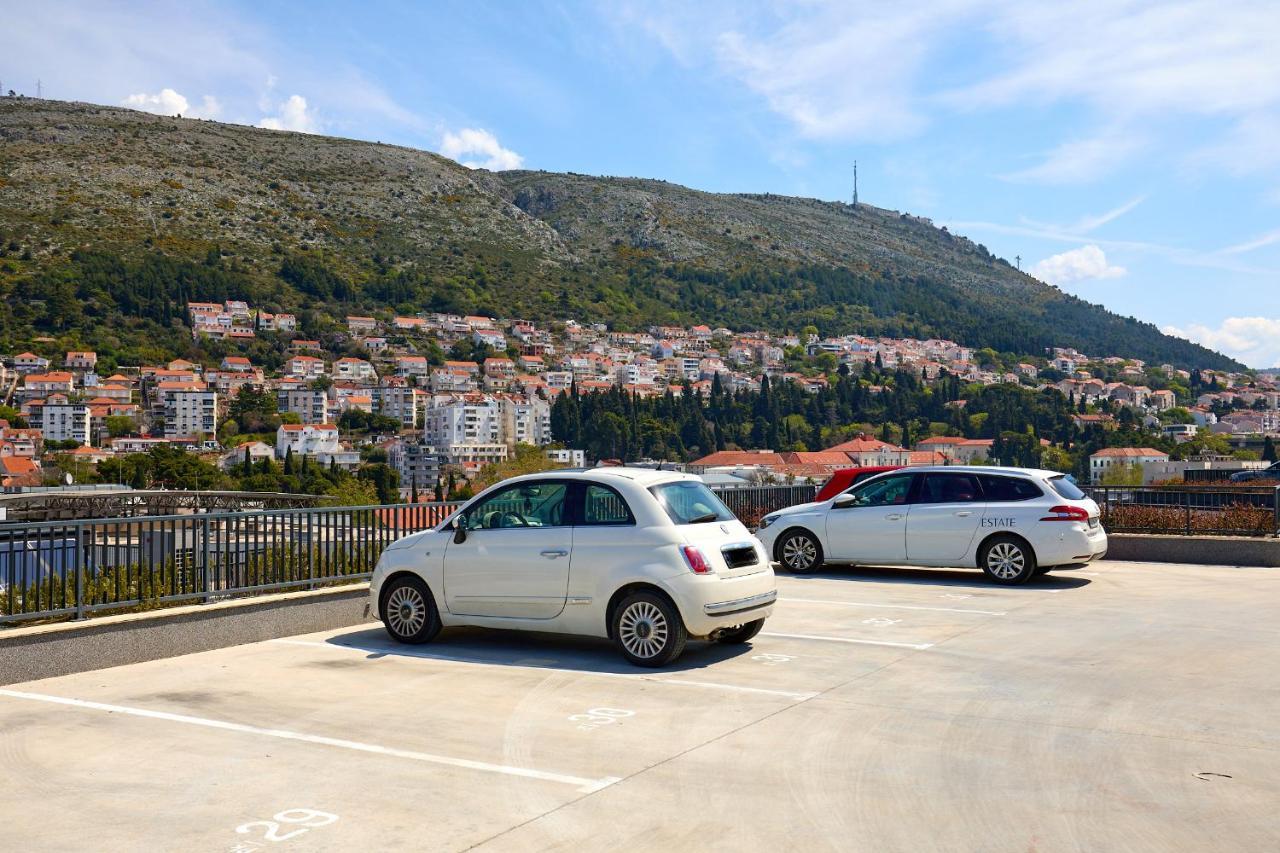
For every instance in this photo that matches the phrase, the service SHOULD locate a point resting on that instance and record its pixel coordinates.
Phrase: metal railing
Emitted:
(752, 503)
(1189, 510)
(75, 568)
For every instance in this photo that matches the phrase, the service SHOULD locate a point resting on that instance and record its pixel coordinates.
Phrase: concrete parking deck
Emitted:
(1126, 706)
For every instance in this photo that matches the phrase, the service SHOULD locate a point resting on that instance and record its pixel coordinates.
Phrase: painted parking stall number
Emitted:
(880, 621)
(281, 828)
(597, 717)
(772, 659)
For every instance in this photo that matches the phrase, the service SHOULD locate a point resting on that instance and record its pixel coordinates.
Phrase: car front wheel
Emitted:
(799, 552)
(1008, 560)
(648, 630)
(409, 611)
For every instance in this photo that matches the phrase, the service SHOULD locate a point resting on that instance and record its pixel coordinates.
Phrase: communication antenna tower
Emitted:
(1018, 260)
(855, 183)
(39, 88)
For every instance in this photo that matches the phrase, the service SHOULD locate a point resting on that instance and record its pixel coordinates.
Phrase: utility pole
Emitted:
(1018, 260)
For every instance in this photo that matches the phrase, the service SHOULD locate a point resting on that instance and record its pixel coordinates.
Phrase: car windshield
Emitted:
(690, 502)
(1065, 488)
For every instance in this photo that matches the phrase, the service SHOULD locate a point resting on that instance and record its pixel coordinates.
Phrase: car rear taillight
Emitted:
(1067, 513)
(697, 560)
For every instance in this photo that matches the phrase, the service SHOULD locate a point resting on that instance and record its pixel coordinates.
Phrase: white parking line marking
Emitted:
(652, 679)
(585, 786)
(918, 646)
(898, 606)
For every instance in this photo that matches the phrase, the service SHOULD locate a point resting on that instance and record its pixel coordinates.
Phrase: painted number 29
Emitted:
(597, 717)
(305, 819)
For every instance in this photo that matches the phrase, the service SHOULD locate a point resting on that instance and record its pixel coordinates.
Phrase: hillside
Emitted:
(110, 218)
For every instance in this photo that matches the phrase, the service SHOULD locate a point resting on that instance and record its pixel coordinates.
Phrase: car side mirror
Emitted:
(460, 529)
(844, 500)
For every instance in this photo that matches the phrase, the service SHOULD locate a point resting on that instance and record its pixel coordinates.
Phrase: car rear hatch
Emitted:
(728, 546)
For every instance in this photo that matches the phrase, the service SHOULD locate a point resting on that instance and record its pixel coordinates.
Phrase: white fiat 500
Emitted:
(645, 558)
(1013, 523)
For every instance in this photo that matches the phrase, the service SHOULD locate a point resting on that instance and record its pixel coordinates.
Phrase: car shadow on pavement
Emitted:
(529, 650)
(940, 577)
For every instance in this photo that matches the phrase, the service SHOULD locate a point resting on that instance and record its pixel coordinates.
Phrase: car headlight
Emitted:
(766, 521)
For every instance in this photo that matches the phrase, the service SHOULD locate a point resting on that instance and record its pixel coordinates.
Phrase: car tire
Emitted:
(741, 634)
(799, 552)
(408, 611)
(648, 630)
(1007, 560)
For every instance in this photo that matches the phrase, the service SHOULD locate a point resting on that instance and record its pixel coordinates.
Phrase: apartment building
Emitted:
(65, 421)
(191, 413)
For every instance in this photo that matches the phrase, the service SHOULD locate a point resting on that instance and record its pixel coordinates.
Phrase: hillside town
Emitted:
(442, 394)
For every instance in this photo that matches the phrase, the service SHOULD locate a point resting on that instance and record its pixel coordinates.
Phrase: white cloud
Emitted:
(1256, 243)
(1082, 160)
(1252, 340)
(168, 102)
(293, 115)
(865, 71)
(481, 150)
(1087, 262)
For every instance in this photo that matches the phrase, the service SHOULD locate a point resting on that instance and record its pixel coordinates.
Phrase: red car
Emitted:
(846, 477)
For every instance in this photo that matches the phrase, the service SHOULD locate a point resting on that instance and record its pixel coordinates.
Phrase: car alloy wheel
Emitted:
(406, 611)
(799, 553)
(643, 630)
(1006, 561)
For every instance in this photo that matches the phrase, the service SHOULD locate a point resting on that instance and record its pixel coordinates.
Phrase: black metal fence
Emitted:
(1190, 510)
(76, 568)
(752, 503)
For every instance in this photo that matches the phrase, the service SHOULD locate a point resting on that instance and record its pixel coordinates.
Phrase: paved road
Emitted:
(1122, 707)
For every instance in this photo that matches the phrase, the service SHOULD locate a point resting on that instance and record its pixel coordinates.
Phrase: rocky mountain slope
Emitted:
(383, 227)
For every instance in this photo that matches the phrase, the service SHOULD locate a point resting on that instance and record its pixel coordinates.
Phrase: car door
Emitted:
(514, 560)
(873, 527)
(944, 518)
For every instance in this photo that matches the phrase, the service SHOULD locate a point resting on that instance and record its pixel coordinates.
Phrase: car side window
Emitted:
(949, 489)
(885, 492)
(1008, 489)
(521, 506)
(602, 505)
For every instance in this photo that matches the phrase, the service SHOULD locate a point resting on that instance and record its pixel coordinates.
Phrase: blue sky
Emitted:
(1128, 152)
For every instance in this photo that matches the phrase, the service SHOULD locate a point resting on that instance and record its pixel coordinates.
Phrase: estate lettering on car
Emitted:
(999, 522)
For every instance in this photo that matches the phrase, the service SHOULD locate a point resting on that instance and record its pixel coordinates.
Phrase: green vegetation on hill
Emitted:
(111, 219)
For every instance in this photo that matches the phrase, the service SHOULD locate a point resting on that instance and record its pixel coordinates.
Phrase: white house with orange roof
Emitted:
(305, 367)
(81, 360)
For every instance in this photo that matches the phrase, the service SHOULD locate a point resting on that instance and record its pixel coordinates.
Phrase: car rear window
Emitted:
(690, 502)
(1008, 489)
(1066, 489)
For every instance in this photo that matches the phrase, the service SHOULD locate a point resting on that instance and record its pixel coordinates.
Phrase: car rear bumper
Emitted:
(741, 605)
(708, 604)
(1081, 544)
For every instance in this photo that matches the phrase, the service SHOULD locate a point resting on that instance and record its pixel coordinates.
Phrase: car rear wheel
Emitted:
(648, 630)
(1008, 560)
(799, 552)
(409, 611)
(742, 633)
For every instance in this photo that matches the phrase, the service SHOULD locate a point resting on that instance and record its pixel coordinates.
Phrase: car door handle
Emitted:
(552, 553)
(964, 513)
(893, 516)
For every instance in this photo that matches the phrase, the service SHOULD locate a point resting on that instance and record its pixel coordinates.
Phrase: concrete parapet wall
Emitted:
(1200, 550)
(44, 651)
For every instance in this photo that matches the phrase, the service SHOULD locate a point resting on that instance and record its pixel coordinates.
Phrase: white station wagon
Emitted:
(1013, 523)
(645, 558)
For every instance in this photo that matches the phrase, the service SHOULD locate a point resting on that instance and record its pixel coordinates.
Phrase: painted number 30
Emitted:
(597, 717)
(306, 819)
